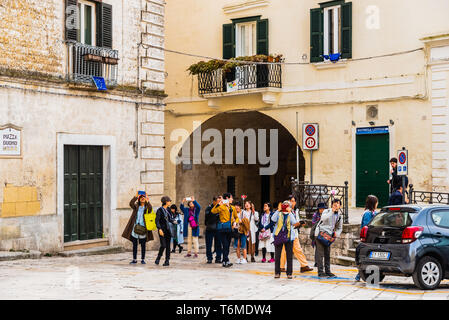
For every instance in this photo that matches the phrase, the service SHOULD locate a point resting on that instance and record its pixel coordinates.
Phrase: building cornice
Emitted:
(245, 5)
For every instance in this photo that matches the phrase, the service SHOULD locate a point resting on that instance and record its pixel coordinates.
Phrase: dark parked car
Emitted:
(408, 240)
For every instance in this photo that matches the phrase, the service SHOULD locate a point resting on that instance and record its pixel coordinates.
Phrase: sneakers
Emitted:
(243, 261)
(277, 276)
(264, 260)
(133, 262)
(238, 261)
(180, 249)
(157, 261)
(252, 259)
(227, 264)
(271, 260)
(143, 262)
(209, 261)
(195, 255)
(289, 276)
(166, 264)
(357, 277)
(218, 261)
(322, 275)
(330, 275)
(188, 255)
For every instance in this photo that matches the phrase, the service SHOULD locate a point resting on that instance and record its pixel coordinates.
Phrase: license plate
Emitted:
(376, 255)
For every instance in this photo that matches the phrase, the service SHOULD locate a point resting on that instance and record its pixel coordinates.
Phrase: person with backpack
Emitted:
(227, 220)
(136, 230)
(370, 211)
(284, 236)
(253, 216)
(297, 250)
(211, 221)
(163, 220)
(327, 230)
(177, 229)
(266, 227)
(191, 224)
(242, 228)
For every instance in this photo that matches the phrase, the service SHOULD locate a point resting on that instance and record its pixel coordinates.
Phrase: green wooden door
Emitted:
(372, 156)
(83, 193)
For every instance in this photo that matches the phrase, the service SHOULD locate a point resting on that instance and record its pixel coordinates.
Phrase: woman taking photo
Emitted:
(136, 231)
(266, 233)
(191, 224)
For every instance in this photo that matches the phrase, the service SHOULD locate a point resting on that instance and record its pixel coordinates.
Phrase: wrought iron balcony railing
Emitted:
(244, 77)
(86, 61)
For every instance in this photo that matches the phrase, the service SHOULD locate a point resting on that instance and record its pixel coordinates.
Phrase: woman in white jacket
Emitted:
(253, 217)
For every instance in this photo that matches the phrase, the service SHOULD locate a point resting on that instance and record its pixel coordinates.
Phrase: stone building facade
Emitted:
(73, 155)
(387, 90)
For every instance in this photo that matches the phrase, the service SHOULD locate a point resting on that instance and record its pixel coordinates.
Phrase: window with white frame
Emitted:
(246, 42)
(331, 32)
(87, 20)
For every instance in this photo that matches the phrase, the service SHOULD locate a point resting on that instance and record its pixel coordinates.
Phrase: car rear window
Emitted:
(393, 219)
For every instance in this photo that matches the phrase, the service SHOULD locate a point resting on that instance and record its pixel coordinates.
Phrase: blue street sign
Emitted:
(99, 83)
(372, 130)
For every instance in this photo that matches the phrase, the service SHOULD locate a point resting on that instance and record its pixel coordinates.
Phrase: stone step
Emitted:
(351, 253)
(92, 251)
(344, 261)
(16, 255)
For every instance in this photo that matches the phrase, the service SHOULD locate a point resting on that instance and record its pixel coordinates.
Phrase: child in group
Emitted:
(266, 233)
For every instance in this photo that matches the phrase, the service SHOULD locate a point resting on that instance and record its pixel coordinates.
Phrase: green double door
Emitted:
(372, 168)
(83, 192)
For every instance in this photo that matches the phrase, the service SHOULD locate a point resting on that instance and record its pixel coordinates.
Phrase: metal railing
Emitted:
(85, 61)
(248, 77)
(310, 195)
(429, 197)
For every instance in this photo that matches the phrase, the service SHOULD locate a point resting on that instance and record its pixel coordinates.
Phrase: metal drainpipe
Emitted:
(136, 143)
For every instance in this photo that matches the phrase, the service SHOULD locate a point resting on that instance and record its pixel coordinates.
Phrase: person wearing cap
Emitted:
(284, 221)
(163, 220)
(140, 206)
(331, 223)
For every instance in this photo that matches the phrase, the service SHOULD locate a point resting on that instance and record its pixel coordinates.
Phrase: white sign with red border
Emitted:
(310, 136)
(402, 162)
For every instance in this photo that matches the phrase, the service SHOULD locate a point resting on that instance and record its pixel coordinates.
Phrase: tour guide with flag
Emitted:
(228, 219)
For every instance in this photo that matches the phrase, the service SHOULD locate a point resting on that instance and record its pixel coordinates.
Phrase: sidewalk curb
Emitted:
(18, 255)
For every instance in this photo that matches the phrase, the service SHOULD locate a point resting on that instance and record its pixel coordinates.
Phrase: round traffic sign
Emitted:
(402, 158)
(310, 130)
(310, 143)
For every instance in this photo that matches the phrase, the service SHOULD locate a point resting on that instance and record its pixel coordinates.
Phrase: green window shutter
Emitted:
(316, 35)
(346, 30)
(228, 41)
(262, 37)
(71, 20)
(104, 25)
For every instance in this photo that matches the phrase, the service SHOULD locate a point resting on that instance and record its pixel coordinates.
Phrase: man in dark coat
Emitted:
(395, 180)
(211, 221)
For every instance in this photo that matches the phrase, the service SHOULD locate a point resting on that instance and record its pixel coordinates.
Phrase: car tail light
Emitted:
(363, 233)
(410, 234)
(394, 209)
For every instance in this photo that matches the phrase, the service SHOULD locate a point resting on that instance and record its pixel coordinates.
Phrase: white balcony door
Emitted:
(246, 42)
(87, 19)
(332, 22)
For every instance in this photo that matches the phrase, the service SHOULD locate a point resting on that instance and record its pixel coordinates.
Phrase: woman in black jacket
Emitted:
(163, 220)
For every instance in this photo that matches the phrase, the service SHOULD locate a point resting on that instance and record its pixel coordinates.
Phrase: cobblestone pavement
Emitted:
(111, 277)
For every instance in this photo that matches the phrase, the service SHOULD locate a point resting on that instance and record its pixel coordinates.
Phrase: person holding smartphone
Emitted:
(140, 205)
(191, 224)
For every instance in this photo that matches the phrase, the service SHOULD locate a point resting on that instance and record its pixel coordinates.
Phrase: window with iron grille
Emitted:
(88, 26)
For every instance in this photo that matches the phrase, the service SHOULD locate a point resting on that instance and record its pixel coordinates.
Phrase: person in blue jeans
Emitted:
(370, 211)
(211, 221)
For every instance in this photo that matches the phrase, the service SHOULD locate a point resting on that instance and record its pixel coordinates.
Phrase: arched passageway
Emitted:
(214, 174)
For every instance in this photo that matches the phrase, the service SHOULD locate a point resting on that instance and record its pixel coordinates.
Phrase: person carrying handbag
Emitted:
(284, 237)
(191, 224)
(327, 230)
(136, 230)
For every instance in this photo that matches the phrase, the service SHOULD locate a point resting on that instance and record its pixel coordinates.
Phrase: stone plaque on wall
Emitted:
(10, 141)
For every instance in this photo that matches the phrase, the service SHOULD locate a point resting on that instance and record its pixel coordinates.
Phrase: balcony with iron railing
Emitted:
(85, 62)
(239, 79)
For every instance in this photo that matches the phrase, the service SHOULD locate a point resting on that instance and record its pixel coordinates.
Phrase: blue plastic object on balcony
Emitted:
(99, 83)
(333, 57)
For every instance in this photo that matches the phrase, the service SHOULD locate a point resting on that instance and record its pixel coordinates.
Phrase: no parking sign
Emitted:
(403, 162)
(310, 136)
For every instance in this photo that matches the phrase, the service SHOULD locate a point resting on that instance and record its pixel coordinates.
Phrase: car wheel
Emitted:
(428, 274)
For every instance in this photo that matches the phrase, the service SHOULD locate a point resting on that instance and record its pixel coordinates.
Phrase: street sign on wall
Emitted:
(310, 136)
(402, 162)
(10, 141)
